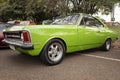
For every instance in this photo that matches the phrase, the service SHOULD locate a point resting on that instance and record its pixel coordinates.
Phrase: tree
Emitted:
(39, 10)
(92, 6)
(2, 1)
(12, 9)
(5, 8)
(19, 8)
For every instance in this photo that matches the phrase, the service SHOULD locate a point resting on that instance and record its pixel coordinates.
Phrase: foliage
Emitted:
(92, 6)
(39, 10)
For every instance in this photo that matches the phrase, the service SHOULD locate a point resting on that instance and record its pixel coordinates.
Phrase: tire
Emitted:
(53, 52)
(107, 45)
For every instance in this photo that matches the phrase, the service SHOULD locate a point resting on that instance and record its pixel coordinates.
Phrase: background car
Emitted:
(30, 22)
(3, 26)
(24, 23)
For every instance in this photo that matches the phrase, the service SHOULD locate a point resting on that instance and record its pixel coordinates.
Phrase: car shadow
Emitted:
(4, 48)
(27, 60)
(89, 51)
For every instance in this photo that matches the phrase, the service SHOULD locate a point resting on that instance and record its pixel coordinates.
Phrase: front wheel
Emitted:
(53, 52)
(107, 45)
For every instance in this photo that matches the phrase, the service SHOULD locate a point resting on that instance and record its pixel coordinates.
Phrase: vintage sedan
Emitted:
(67, 34)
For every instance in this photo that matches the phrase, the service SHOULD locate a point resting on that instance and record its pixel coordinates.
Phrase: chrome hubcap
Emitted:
(108, 45)
(55, 52)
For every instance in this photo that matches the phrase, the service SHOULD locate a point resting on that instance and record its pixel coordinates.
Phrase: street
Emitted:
(85, 65)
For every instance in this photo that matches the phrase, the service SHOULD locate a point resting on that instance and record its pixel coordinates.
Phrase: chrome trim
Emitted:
(14, 39)
(19, 44)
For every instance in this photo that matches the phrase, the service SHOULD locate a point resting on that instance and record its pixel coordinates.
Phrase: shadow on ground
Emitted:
(26, 60)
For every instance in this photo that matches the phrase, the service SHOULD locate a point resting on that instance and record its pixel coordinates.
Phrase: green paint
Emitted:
(76, 37)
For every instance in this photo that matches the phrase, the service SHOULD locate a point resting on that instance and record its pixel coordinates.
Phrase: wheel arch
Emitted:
(43, 55)
(104, 46)
(60, 40)
(108, 38)
(53, 39)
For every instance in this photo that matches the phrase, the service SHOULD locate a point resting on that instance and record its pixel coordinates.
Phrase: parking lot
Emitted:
(85, 65)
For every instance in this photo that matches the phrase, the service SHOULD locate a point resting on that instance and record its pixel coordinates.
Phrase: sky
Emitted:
(108, 17)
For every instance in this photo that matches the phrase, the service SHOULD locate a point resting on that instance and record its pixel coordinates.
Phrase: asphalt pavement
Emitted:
(85, 65)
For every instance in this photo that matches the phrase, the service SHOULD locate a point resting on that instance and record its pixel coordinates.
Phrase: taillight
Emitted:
(1, 35)
(25, 37)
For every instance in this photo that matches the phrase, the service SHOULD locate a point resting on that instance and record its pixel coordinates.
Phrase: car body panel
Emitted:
(46, 32)
(76, 37)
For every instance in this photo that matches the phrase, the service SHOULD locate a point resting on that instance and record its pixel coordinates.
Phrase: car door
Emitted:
(89, 31)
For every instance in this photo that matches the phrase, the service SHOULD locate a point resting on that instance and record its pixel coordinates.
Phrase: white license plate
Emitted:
(12, 47)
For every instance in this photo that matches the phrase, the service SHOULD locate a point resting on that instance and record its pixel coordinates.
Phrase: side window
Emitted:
(91, 22)
(82, 22)
(74, 19)
(98, 23)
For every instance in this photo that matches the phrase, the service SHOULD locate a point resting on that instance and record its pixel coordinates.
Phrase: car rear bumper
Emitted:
(26, 46)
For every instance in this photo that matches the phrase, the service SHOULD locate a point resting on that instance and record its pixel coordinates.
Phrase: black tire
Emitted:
(107, 45)
(53, 52)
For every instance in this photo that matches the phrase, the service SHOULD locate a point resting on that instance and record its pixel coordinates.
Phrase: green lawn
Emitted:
(116, 44)
(117, 29)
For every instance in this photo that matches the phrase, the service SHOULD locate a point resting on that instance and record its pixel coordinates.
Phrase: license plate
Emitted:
(12, 47)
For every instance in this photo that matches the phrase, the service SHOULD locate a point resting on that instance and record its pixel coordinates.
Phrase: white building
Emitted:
(108, 17)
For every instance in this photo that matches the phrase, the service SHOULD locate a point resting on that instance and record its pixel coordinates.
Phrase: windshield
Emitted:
(71, 19)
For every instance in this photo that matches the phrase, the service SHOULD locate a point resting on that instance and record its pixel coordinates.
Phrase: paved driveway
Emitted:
(86, 65)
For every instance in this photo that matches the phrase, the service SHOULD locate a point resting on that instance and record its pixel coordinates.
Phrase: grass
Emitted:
(116, 44)
(117, 29)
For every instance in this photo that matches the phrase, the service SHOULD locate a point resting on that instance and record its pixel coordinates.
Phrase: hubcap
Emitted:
(108, 45)
(55, 52)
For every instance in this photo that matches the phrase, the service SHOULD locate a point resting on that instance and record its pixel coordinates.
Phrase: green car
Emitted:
(67, 34)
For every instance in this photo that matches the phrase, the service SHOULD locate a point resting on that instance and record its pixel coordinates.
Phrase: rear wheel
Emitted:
(107, 45)
(53, 52)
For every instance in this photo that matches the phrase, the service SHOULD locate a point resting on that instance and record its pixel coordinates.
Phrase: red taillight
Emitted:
(26, 37)
(1, 35)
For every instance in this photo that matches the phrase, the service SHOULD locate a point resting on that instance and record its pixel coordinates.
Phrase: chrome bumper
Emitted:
(26, 46)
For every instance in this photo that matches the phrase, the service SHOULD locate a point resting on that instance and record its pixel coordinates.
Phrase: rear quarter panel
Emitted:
(41, 34)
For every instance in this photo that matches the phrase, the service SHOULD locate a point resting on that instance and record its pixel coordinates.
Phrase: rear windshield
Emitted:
(71, 19)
